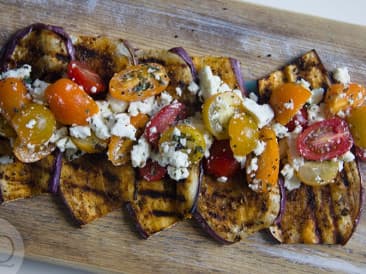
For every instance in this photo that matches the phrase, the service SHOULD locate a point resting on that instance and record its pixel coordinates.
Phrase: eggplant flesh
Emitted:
(231, 211)
(327, 214)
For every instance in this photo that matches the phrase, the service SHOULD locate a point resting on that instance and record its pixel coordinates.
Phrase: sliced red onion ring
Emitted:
(235, 65)
(181, 52)
(55, 179)
(281, 185)
(20, 34)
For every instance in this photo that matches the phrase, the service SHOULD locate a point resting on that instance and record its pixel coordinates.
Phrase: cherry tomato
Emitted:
(287, 99)
(325, 140)
(300, 119)
(34, 124)
(119, 150)
(152, 171)
(90, 144)
(221, 162)
(190, 141)
(31, 154)
(356, 120)
(360, 153)
(69, 103)
(166, 117)
(139, 82)
(244, 134)
(318, 173)
(13, 96)
(81, 74)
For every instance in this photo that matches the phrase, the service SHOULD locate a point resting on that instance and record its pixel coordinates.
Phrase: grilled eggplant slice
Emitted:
(90, 186)
(19, 180)
(308, 67)
(231, 211)
(154, 206)
(178, 71)
(327, 214)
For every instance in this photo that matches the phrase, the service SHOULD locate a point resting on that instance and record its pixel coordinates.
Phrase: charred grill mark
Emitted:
(312, 206)
(152, 60)
(157, 194)
(162, 213)
(85, 188)
(62, 57)
(344, 178)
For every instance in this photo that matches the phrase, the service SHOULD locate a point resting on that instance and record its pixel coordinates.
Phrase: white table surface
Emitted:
(349, 11)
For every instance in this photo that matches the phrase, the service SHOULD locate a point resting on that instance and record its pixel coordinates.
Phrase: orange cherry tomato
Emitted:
(287, 99)
(70, 103)
(13, 96)
(139, 82)
(340, 97)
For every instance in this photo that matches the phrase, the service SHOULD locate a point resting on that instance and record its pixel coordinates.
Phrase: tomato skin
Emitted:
(69, 103)
(300, 118)
(13, 96)
(166, 117)
(356, 120)
(81, 74)
(221, 162)
(325, 140)
(152, 171)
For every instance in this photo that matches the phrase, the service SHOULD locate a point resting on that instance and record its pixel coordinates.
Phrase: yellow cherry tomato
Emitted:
(356, 121)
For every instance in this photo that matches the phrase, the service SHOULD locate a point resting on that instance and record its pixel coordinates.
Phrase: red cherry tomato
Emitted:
(152, 171)
(300, 118)
(221, 162)
(166, 117)
(360, 153)
(325, 140)
(84, 76)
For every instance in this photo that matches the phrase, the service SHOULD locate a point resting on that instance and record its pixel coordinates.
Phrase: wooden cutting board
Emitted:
(263, 40)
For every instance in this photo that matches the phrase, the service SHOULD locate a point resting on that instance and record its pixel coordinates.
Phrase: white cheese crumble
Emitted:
(31, 123)
(304, 83)
(280, 130)
(289, 104)
(80, 132)
(241, 160)
(140, 153)
(259, 149)
(253, 96)
(122, 127)
(99, 126)
(37, 89)
(6, 159)
(66, 143)
(179, 91)
(145, 106)
(262, 113)
(348, 157)
(253, 165)
(58, 134)
(294, 157)
(341, 75)
(209, 83)
(222, 179)
(193, 88)
(291, 181)
(22, 72)
(178, 173)
(316, 113)
(316, 96)
(116, 105)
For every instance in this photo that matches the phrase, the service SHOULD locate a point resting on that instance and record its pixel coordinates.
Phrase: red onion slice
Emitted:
(55, 179)
(235, 65)
(181, 52)
(281, 185)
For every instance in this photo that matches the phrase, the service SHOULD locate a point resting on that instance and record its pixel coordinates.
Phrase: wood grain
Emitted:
(263, 40)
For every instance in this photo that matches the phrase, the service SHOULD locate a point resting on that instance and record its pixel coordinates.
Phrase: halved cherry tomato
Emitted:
(300, 119)
(356, 120)
(190, 141)
(139, 82)
(340, 97)
(152, 171)
(244, 133)
(287, 99)
(30, 154)
(81, 74)
(217, 111)
(221, 162)
(13, 96)
(69, 103)
(90, 144)
(318, 173)
(325, 140)
(34, 124)
(166, 117)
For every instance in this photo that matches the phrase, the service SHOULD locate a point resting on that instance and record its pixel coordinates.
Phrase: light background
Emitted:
(349, 11)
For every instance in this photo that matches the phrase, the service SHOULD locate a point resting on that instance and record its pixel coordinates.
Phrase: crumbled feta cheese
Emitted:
(99, 126)
(165, 99)
(222, 179)
(6, 159)
(140, 153)
(291, 180)
(294, 157)
(340, 165)
(223, 87)
(262, 113)
(341, 75)
(116, 105)
(177, 173)
(316, 96)
(241, 160)
(304, 83)
(122, 127)
(193, 88)
(58, 134)
(176, 131)
(316, 113)
(253, 165)
(104, 109)
(37, 89)
(93, 89)
(289, 104)
(209, 83)
(145, 106)
(280, 130)
(239, 93)
(261, 145)
(22, 72)
(255, 185)
(348, 157)
(66, 143)
(31, 123)
(80, 132)
(253, 96)
(298, 129)
(179, 91)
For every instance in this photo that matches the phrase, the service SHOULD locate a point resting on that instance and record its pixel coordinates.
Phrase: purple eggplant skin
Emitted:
(138, 227)
(281, 185)
(235, 65)
(201, 221)
(181, 52)
(195, 202)
(20, 34)
(55, 179)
